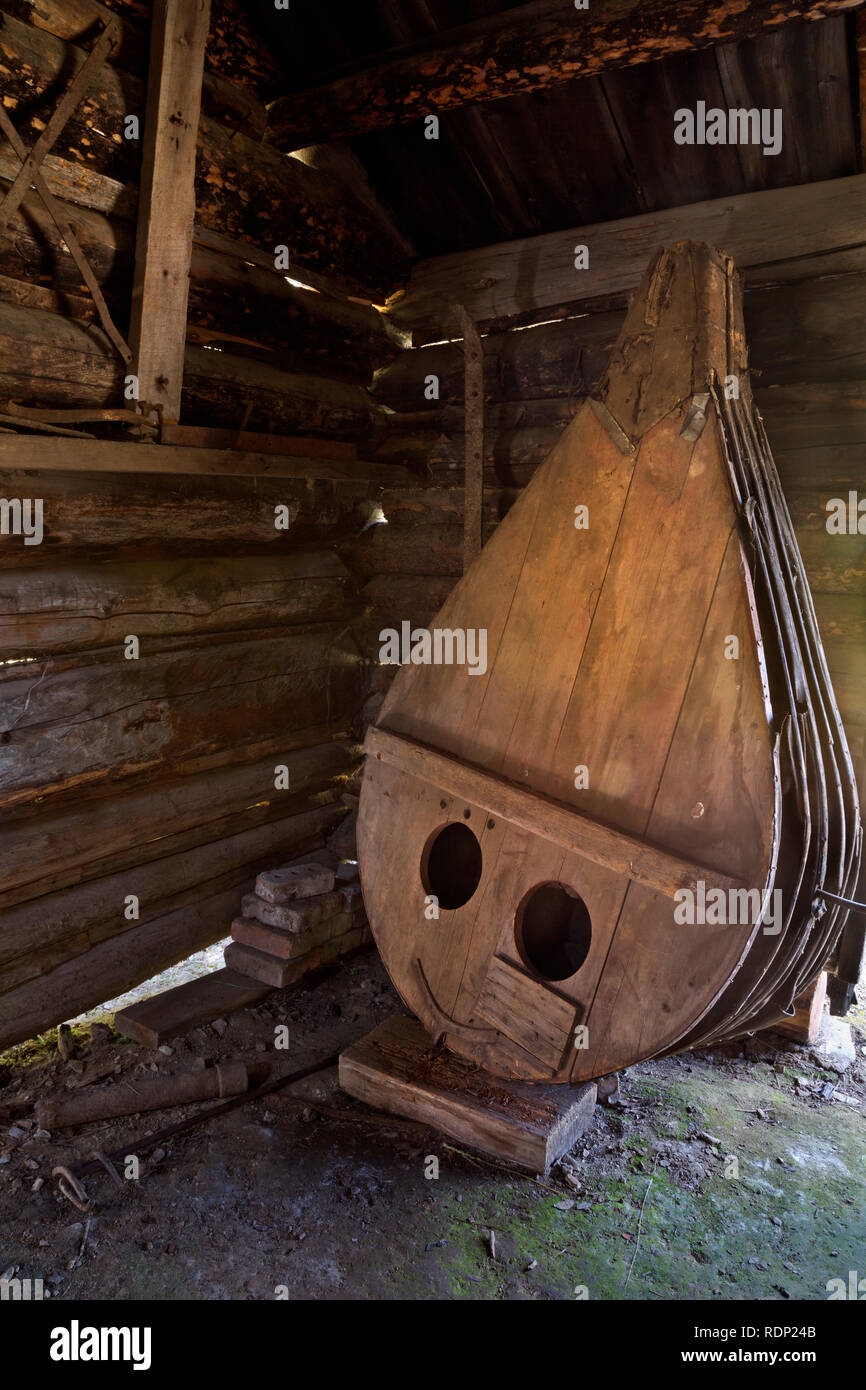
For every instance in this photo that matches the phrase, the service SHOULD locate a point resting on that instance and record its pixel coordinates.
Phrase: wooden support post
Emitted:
(805, 1023)
(473, 355)
(167, 201)
(860, 42)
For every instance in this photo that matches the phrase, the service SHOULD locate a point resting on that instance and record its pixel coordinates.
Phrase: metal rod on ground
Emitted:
(72, 1176)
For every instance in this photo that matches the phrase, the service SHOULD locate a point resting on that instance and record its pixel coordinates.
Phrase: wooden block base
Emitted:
(805, 1024)
(397, 1068)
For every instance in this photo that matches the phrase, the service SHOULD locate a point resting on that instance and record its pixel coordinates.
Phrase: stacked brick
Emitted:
(300, 917)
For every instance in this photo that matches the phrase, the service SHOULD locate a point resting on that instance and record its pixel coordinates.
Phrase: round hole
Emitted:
(451, 865)
(491, 824)
(553, 931)
(467, 813)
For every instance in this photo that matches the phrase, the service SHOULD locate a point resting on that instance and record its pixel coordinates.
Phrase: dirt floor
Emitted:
(739, 1173)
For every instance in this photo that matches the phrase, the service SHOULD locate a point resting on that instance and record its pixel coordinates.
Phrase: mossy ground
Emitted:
(271, 1199)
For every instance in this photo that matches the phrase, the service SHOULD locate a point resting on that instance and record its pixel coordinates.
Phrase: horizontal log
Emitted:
(774, 236)
(567, 357)
(510, 456)
(119, 961)
(78, 185)
(832, 467)
(97, 718)
(841, 618)
(142, 516)
(52, 848)
(834, 564)
(522, 49)
(101, 516)
(46, 360)
(78, 607)
(243, 187)
(810, 414)
(441, 506)
(81, 186)
(406, 597)
(153, 1093)
(248, 441)
(421, 549)
(231, 301)
(59, 455)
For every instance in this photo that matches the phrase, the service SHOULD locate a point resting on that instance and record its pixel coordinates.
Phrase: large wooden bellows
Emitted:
(627, 830)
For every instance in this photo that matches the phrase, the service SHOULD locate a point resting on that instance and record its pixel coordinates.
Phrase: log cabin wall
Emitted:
(156, 778)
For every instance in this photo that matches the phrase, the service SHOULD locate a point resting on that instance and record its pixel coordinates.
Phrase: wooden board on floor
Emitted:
(188, 1006)
(398, 1068)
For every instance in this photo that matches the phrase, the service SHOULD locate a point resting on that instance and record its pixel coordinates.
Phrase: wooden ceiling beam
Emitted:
(521, 50)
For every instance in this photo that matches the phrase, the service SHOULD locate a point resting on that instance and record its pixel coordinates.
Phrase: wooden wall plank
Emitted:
(96, 718)
(772, 235)
(56, 846)
(77, 607)
(60, 455)
(124, 516)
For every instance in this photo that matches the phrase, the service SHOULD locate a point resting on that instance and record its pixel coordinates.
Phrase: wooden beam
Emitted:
(92, 456)
(166, 208)
(539, 815)
(473, 396)
(776, 235)
(860, 42)
(521, 50)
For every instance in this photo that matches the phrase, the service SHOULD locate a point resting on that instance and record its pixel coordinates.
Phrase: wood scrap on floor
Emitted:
(187, 1006)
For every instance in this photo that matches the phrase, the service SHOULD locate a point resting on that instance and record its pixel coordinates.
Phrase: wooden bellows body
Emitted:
(559, 823)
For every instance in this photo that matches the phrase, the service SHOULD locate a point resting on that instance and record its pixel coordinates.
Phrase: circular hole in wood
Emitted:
(451, 865)
(553, 931)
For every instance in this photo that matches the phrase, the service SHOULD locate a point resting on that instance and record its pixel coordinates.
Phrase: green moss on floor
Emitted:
(726, 1176)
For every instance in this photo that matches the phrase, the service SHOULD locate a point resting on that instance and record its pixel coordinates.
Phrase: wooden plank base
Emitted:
(398, 1068)
(188, 1006)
